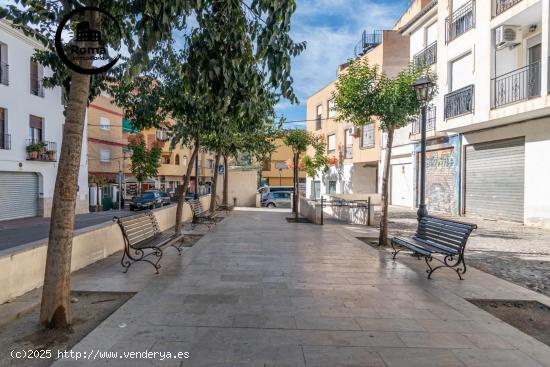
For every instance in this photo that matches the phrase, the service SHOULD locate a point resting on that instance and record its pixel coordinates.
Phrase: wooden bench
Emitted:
(143, 238)
(438, 236)
(200, 215)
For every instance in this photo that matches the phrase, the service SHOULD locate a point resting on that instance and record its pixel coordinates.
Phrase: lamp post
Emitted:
(423, 88)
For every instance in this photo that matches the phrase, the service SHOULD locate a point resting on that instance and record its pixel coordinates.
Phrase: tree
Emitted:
(143, 23)
(299, 141)
(145, 160)
(364, 93)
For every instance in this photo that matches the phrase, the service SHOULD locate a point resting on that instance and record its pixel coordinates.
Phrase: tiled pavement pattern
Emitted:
(258, 291)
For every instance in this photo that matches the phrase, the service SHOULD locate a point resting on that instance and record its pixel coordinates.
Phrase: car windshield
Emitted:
(147, 195)
(164, 194)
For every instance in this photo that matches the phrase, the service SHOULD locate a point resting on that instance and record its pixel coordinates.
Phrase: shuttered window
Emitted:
(36, 128)
(367, 138)
(331, 146)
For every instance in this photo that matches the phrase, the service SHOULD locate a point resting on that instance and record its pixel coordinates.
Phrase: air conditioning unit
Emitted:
(507, 36)
(356, 132)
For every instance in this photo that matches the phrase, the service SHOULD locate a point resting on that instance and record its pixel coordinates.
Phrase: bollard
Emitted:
(322, 207)
(368, 211)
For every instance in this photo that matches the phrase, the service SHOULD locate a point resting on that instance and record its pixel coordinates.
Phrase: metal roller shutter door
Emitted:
(18, 195)
(495, 175)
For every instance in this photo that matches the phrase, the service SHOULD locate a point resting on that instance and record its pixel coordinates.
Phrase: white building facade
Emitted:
(31, 130)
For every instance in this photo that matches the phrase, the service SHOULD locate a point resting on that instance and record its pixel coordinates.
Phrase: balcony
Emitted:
(430, 121)
(4, 73)
(516, 86)
(502, 5)
(459, 102)
(461, 21)
(41, 150)
(5, 141)
(427, 56)
(36, 87)
(368, 41)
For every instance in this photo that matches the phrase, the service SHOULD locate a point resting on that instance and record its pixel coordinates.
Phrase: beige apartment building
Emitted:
(108, 158)
(276, 170)
(354, 152)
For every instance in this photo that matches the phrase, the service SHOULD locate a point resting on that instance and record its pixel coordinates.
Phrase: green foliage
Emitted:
(299, 141)
(364, 92)
(145, 161)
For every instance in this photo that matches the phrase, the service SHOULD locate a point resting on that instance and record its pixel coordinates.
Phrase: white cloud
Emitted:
(331, 29)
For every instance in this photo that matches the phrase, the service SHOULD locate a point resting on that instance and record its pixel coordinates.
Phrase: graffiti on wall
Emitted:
(440, 181)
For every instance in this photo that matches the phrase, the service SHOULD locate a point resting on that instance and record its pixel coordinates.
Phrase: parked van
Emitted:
(267, 189)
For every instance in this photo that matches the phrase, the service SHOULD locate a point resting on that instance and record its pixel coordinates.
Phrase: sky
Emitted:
(331, 29)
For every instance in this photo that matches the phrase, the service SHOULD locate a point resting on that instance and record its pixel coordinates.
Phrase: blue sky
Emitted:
(331, 29)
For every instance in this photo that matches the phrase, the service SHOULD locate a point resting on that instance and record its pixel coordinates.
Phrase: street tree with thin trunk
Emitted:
(364, 95)
(40, 19)
(299, 141)
(145, 159)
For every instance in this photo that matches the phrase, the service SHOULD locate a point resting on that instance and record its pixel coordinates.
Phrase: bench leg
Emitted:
(453, 262)
(395, 251)
(178, 247)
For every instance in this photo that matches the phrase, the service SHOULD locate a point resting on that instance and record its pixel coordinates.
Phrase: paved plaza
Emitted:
(259, 291)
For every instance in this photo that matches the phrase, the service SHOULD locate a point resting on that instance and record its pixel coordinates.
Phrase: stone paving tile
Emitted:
(419, 357)
(435, 340)
(390, 324)
(327, 323)
(495, 358)
(342, 356)
(334, 338)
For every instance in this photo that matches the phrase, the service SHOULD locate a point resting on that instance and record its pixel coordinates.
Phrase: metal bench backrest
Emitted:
(196, 207)
(138, 228)
(448, 235)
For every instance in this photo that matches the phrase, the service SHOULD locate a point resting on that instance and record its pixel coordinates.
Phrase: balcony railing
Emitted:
(430, 121)
(459, 102)
(427, 56)
(461, 21)
(518, 85)
(503, 5)
(4, 73)
(36, 87)
(41, 150)
(5, 141)
(368, 41)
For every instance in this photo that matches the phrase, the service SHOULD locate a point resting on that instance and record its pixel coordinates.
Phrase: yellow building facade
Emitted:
(276, 171)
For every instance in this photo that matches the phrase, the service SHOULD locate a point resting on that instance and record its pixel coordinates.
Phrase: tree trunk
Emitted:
(296, 185)
(225, 182)
(55, 308)
(182, 189)
(383, 238)
(214, 184)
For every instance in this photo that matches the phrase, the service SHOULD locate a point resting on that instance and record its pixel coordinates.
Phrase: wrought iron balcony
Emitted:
(430, 121)
(503, 5)
(41, 150)
(461, 21)
(36, 87)
(518, 85)
(460, 102)
(5, 141)
(427, 56)
(368, 41)
(4, 73)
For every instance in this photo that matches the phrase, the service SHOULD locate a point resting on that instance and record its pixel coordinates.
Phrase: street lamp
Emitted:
(424, 89)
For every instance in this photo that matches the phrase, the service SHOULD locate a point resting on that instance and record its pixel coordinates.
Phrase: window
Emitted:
(4, 67)
(185, 160)
(104, 123)
(331, 144)
(331, 188)
(461, 72)
(367, 138)
(177, 159)
(105, 155)
(162, 134)
(319, 117)
(209, 163)
(330, 107)
(166, 159)
(37, 74)
(349, 144)
(36, 126)
(4, 137)
(267, 165)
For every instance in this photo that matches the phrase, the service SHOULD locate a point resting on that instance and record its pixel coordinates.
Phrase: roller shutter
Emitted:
(18, 195)
(495, 180)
